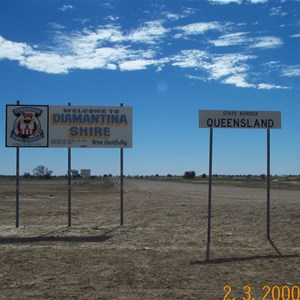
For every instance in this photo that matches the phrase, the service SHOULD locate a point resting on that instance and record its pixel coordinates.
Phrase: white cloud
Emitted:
(188, 11)
(277, 11)
(190, 59)
(238, 80)
(107, 5)
(266, 86)
(101, 58)
(82, 53)
(110, 47)
(139, 64)
(295, 35)
(112, 18)
(47, 62)
(200, 28)
(178, 36)
(196, 77)
(173, 17)
(110, 66)
(291, 71)
(267, 42)
(229, 68)
(87, 41)
(89, 49)
(237, 38)
(225, 1)
(66, 7)
(243, 38)
(12, 50)
(53, 63)
(150, 33)
(228, 65)
(185, 13)
(56, 26)
(258, 1)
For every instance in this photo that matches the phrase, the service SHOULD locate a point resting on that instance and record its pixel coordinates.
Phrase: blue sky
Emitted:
(166, 59)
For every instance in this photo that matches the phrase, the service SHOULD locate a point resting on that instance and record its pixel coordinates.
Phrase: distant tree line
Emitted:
(189, 175)
(40, 172)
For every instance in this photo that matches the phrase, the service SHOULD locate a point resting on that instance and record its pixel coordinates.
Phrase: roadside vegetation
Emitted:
(290, 182)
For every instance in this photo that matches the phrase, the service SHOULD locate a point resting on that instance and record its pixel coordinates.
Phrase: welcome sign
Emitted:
(68, 126)
(90, 126)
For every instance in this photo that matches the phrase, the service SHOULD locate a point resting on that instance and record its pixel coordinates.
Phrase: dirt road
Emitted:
(160, 252)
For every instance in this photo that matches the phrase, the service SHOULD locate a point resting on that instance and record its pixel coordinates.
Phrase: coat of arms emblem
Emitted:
(27, 126)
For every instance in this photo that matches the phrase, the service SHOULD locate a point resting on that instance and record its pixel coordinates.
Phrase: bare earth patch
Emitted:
(160, 251)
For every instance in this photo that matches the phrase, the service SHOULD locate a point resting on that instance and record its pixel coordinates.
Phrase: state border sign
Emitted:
(239, 119)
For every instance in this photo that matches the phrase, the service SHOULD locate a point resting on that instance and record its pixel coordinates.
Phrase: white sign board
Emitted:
(85, 173)
(26, 126)
(90, 126)
(239, 119)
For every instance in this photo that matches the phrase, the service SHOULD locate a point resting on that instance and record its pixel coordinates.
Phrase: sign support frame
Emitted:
(210, 191)
(224, 123)
(123, 139)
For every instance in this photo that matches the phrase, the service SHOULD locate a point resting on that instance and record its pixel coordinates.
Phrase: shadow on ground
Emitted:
(240, 259)
(54, 237)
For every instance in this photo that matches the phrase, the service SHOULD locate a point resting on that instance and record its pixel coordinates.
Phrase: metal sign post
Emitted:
(17, 182)
(69, 188)
(17, 186)
(268, 185)
(121, 188)
(209, 193)
(121, 185)
(69, 185)
(238, 119)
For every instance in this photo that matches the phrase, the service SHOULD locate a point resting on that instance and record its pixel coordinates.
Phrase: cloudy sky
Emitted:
(166, 59)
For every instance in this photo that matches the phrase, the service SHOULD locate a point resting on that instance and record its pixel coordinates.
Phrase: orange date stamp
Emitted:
(267, 292)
